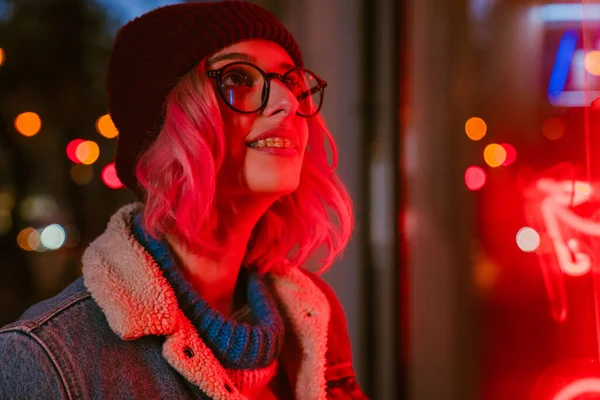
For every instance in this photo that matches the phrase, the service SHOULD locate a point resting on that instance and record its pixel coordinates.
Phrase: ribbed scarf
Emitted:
(236, 345)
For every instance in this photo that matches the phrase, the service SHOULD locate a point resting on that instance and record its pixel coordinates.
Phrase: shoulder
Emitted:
(28, 346)
(66, 311)
(44, 312)
(67, 325)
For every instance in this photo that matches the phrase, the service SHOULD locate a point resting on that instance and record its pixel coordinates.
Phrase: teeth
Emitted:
(276, 142)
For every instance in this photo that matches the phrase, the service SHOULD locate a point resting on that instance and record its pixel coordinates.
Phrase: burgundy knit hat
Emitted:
(152, 52)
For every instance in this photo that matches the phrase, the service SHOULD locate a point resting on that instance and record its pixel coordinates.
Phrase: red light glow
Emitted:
(110, 178)
(72, 150)
(563, 230)
(569, 380)
(475, 178)
(578, 388)
(511, 154)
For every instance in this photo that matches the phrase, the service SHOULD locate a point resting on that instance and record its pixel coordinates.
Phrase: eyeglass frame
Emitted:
(321, 85)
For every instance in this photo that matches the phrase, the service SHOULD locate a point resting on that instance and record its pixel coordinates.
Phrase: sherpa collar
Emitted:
(137, 300)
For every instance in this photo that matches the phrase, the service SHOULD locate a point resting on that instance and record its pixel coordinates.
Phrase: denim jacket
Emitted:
(118, 333)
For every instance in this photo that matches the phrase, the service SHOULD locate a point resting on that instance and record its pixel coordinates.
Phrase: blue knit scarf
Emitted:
(236, 345)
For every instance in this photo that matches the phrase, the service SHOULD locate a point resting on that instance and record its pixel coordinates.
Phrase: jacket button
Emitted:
(189, 353)
(228, 388)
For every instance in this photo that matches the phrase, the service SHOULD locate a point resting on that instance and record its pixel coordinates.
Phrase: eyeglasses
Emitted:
(245, 87)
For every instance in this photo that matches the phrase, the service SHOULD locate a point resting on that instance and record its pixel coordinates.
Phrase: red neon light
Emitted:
(567, 256)
(555, 208)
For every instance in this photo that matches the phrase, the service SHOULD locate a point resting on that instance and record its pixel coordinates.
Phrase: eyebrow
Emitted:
(241, 57)
(232, 57)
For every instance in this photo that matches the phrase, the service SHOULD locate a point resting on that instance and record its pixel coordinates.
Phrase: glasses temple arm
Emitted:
(310, 92)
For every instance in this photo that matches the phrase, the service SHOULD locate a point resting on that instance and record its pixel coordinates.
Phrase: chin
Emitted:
(277, 180)
(274, 188)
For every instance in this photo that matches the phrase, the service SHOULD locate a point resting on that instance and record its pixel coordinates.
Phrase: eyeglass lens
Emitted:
(244, 88)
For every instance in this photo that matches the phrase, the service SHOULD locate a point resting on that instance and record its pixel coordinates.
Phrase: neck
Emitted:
(215, 278)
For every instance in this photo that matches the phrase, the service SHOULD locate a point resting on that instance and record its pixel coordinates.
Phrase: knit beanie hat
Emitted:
(152, 52)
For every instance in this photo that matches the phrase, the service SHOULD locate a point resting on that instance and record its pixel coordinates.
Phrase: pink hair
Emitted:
(178, 174)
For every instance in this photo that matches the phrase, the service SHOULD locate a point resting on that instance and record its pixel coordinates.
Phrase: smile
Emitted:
(273, 142)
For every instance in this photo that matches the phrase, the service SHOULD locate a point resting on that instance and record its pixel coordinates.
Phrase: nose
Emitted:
(281, 102)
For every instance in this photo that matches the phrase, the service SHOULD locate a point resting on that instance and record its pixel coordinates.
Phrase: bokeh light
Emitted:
(2, 56)
(7, 199)
(81, 174)
(485, 274)
(494, 155)
(35, 241)
(28, 123)
(554, 128)
(584, 388)
(592, 62)
(511, 154)
(110, 178)
(53, 236)
(476, 128)
(106, 127)
(572, 379)
(6, 221)
(87, 152)
(36, 207)
(23, 238)
(29, 240)
(72, 150)
(528, 239)
(475, 178)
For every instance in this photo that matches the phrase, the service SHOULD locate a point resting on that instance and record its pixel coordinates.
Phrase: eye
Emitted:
(292, 80)
(237, 77)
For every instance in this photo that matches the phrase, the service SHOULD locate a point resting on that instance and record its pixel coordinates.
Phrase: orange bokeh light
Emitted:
(28, 123)
(106, 127)
(81, 174)
(494, 155)
(24, 239)
(475, 128)
(87, 152)
(592, 62)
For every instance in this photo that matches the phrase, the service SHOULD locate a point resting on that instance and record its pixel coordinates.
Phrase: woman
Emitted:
(198, 291)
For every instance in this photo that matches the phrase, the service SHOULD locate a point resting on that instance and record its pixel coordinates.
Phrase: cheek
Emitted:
(302, 128)
(235, 128)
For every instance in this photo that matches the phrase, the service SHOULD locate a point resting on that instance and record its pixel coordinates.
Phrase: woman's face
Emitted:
(272, 165)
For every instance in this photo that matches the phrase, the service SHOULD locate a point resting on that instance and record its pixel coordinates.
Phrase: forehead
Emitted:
(265, 54)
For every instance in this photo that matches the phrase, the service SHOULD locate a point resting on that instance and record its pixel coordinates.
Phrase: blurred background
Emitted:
(467, 132)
